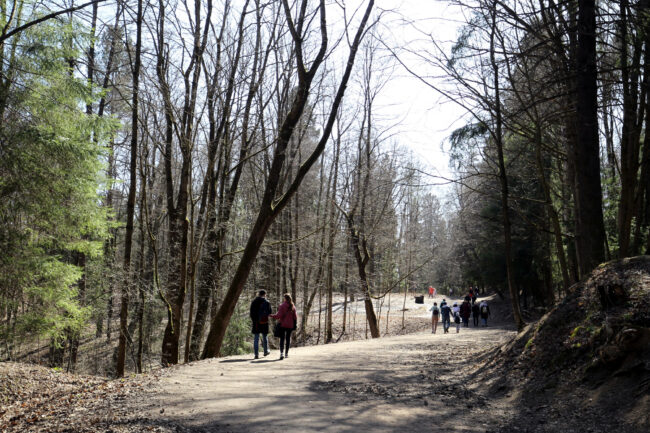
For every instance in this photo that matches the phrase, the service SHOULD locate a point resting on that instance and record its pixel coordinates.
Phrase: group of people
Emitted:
(287, 321)
(470, 307)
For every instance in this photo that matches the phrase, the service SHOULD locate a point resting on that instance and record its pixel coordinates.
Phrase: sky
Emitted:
(421, 119)
(425, 117)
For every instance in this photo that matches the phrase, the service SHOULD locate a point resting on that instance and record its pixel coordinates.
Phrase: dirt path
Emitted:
(412, 383)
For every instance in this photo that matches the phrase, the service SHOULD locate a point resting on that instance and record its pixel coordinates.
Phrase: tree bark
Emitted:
(272, 201)
(130, 206)
(357, 245)
(590, 229)
(178, 211)
(503, 178)
(631, 129)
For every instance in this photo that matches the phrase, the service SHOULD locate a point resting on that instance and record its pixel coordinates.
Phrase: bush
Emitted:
(238, 336)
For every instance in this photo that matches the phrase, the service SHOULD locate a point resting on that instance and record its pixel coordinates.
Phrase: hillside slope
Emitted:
(587, 359)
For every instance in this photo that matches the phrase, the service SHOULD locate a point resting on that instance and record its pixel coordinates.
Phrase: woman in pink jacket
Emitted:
(288, 320)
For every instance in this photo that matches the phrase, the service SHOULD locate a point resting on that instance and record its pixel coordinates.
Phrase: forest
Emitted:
(163, 160)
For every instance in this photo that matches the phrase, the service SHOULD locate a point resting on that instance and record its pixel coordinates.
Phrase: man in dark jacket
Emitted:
(476, 312)
(445, 312)
(465, 312)
(260, 312)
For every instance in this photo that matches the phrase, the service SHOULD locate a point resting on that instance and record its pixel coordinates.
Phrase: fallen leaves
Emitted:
(39, 399)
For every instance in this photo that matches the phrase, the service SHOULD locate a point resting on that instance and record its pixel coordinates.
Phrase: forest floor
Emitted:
(406, 383)
(419, 382)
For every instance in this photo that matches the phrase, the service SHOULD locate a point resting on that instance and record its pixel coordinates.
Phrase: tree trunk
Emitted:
(555, 220)
(178, 212)
(631, 130)
(590, 229)
(503, 178)
(357, 244)
(272, 201)
(130, 206)
(330, 245)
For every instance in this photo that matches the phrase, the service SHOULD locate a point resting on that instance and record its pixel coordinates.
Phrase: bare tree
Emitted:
(272, 201)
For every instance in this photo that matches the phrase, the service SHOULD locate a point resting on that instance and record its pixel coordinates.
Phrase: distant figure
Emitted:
(435, 316)
(259, 313)
(445, 312)
(485, 312)
(476, 312)
(474, 295)
(288, 320)
(455, 311)
(465, 313)
(451, 292)
(431, 289)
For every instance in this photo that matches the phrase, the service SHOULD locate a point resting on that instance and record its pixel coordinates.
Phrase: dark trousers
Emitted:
(475, 320)
(285, 340)
(446, 323)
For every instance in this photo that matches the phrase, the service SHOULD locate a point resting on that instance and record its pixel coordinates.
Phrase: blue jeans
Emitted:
(484, 321)
(256, 344)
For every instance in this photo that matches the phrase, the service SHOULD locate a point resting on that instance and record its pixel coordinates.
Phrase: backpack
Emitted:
(456, 318)
(484, 309)
(265, 312)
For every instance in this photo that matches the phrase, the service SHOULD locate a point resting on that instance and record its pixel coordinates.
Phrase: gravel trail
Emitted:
(410, 383)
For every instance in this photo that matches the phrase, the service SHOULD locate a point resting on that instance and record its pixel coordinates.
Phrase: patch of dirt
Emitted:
(416, 383)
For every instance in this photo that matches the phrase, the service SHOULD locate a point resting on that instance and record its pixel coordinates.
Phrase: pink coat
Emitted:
(286, 315)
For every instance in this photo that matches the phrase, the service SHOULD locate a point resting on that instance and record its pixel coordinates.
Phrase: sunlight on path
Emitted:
(383, 385)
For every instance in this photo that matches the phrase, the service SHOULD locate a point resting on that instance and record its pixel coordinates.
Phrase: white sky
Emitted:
(425, 118)
(428, 118)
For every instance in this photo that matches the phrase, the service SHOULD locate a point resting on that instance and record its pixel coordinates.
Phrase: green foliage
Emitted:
(52, 298)
(575, 331)
(529, 343)
(465, 36)
(238, 335)
(50, 178)
(465, 143)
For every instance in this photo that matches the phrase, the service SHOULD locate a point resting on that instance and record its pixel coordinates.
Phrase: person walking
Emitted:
(445, 312)
(259, 312)
(470, 294)
(485, 312)
(476, 313)
(288, 320)
(455, 312)
(435, 316)
(465, 313)
(431, 291)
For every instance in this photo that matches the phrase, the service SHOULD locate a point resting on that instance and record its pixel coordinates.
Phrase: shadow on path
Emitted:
(414, 383)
